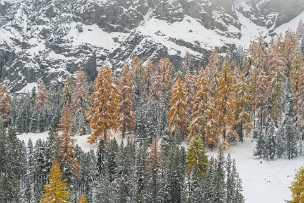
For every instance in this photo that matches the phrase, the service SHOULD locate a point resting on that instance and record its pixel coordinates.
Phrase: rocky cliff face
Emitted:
(49, 40)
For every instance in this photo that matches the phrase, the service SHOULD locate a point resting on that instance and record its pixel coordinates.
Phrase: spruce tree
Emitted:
(219, 180)
(290, 129)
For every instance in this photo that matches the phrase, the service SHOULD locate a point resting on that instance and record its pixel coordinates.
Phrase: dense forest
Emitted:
(156, 128)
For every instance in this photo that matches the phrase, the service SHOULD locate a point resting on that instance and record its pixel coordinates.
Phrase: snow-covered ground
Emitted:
(81, 141)
(263, 181)
(28, 88)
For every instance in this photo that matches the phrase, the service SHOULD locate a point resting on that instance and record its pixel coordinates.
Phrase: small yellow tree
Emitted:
(197, 160)
(104, 113)
(56, 191)
(297, 188)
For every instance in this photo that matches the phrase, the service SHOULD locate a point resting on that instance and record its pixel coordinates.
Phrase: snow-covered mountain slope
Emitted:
(49, 40)
(263, 181)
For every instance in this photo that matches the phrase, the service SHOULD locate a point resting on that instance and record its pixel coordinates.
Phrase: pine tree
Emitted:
(290, 129)
(88, 173)
(153, 168)
(68, 91)
(80, 102)
(127, 114)
(12, 165)
(177, 116)
(297, 189)
(56, 190)
(270, 143)
(219, 179)
(230, 180)
(104, 113)
(67, 154)
(238, 195)
(197, 160)
(42, 165)
(260, 147)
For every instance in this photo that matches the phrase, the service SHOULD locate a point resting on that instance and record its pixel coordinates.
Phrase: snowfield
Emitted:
(263, 181)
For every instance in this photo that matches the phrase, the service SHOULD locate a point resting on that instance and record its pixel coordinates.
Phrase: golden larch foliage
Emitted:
(223, 112)
(127, 114)
(177, 117)
(56, 191)
(104, 113)
(197, 160)
(5, 104)
(83, 199)
(198, 122)
(297, 188)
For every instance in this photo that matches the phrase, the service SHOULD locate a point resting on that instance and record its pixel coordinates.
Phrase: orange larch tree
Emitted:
(127, 114)
(177, 116)
(104, 113)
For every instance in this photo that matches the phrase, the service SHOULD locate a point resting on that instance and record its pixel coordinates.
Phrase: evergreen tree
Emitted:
(80, 102)
(238, 197)
(290, 130)
(42, 166)
(219, 180)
